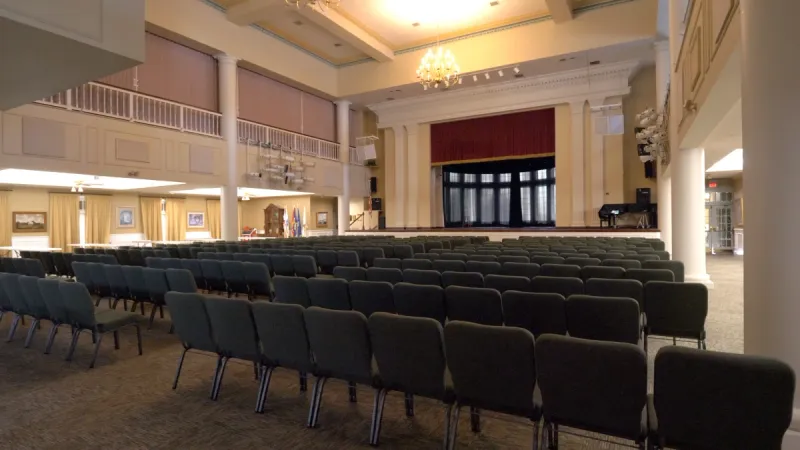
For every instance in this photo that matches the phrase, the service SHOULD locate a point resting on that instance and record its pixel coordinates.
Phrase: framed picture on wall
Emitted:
(29, 222)
(322, 219)
(125, 217)
(196, 220)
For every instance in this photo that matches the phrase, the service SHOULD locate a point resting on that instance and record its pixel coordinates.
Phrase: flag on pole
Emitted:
(286, 230)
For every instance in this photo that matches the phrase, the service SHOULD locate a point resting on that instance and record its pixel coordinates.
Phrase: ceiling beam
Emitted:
(346, 30)
(560, 10)
(253, 11)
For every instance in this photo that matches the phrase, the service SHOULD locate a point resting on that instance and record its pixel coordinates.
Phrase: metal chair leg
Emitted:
(180, 366)
(31, 331)
(266, 377)
(475, 419)
(256, 371)
(214, 378)
(138, 337)
(317, 403)
(14, 325)
(377, 416)
(535, 445)
(219, 378)
(116, 339)
(454, 427)
(351, 389)
(312, 403)
(448, 413)
(161, 311)
(51, 337)
(96, 349)
(152, 317)
(303, 382)
(409, 405)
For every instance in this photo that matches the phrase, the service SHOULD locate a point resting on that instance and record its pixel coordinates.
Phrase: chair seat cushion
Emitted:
(112, 320)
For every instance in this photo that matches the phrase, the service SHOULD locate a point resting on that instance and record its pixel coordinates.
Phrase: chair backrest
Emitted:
(541, 260)
(137, 286)
(33, 296)
(453, 256)
(350, 273)
(607, 272)
(444, 265)
(528, 270)
(233, 271)
(257, 277)
(611, 254)
(468, 279)
(340, 343)
(191, 321)
(560, 270)
(483, 267)
(181, 280)
(430, 277)
(613, 319)
(506, 258)
(403, 251)
(420, 301)
(330, 293)
(9, 282)
(643, 258)
(304, 265)
(645, 275)
(583, 262)
(79, 304)
(193, 266)
(35, 268)
(369, 297)
(536, 312)
(676, 309)
(558, 285)
(707, 399)
(503, 283)
(83, 274)
(482, 258)
(348, 258)
(371, 253)
(600, 287)
(390, 275)
(19, 266)
(418, 264)
(282, 264)
(51, 294)
(397, 340)
(212, 272)
(624, 263)
(471, 304)
(157, 284)
(293, 290)
(429, 245)
(474, 352)
(282, 332)
(607, 397)
(233, 327)
(676, 267)
(388, 263)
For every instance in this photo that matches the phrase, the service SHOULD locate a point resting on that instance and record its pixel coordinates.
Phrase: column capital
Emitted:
(576, 106)
(343, 103)
(661, 46)
(411, 128)
(226, 58)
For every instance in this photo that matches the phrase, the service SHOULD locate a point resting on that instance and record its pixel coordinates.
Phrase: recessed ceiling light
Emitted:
(500, 72)
(460, 80)
(516, 70)
(475, 78)
(415, 24)
(487, 75)
(298, 22)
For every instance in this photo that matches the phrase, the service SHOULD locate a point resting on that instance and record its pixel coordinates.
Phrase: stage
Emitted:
(498, 234)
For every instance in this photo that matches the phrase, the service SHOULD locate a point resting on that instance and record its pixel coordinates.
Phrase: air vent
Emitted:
(594, 63)
(389, 98)
(299, 23)
(337, 45)
(519, 75)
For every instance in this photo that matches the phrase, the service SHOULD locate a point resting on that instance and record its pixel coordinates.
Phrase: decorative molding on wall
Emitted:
(126, 238)
(546, 90)
(30, 242)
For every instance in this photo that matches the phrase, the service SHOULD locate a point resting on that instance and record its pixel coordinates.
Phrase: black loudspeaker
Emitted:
(382, 222)
(643, 196)
(373, 185)
(377, 204)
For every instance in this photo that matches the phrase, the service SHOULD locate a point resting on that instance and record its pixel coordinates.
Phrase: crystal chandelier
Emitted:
(438, 67)
(653, 136)
(313, 3)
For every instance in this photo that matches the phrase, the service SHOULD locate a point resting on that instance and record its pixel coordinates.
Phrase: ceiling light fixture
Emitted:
(475, 78)
(487, 75)
(516, 69)
(500, 72)
(322, 4)
(438, 67)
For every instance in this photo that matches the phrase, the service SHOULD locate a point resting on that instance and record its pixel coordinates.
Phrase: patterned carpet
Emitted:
(126, 401)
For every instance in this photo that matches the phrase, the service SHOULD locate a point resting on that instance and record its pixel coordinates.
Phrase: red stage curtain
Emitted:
(519, 135)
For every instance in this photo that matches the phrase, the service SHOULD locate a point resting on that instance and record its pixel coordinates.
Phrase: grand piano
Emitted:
(646, 214)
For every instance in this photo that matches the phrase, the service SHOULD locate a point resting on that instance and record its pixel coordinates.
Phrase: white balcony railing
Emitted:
(100, 99)
(356, 157)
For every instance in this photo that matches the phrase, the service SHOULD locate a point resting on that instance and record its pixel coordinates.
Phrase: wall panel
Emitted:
(269, 102)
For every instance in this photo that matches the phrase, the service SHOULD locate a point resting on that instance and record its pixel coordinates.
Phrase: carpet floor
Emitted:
(126, 402)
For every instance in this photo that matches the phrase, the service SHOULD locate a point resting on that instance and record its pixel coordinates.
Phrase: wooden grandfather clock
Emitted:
(273, 221)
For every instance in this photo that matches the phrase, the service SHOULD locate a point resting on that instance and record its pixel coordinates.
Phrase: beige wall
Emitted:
(643, 96)
(563, 165)
(329, 205)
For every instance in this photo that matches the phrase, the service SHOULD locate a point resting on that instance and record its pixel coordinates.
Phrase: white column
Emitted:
(770, 133)
(343, 134)
(437, 200)
(399, 176)
(597, 161)
(228, 91)
(578, 194)
(664, 187)
(412, 175)
(688, 224)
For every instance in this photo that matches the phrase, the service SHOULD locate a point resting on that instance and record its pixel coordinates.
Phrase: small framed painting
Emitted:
(125, 217)
(196, 220)
(322, 219)
(29, 222)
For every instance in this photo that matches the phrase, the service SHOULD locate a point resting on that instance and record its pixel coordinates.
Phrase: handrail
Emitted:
(358, 217)
(109, 101)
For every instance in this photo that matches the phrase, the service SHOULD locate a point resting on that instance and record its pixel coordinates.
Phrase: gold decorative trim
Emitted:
(499, 158)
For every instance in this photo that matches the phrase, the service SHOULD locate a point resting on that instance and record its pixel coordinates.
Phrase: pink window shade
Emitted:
(269, 102)
(319, 117)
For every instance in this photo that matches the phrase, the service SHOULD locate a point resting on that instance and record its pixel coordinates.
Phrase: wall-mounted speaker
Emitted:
(373, 185)
(643, 196)
(377, 204)
(369, 151)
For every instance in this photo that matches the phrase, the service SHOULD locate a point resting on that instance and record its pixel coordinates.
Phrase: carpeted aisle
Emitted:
(126, 401)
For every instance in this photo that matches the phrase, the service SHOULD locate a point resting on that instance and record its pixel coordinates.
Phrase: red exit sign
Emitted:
(712, 184)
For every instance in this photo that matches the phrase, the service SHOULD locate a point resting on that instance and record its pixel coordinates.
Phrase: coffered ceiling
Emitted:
(365, 30)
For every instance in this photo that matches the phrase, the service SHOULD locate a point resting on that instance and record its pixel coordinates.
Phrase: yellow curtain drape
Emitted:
(213, 218)
(176, 219)
(98, 219)
(63, 219)
(240, 222)
(151, 218)
(5, 220)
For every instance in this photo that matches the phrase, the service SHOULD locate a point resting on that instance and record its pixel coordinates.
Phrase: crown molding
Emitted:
(596, 82)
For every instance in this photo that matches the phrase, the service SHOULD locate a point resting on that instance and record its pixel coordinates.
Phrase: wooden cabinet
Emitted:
(273, 221)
